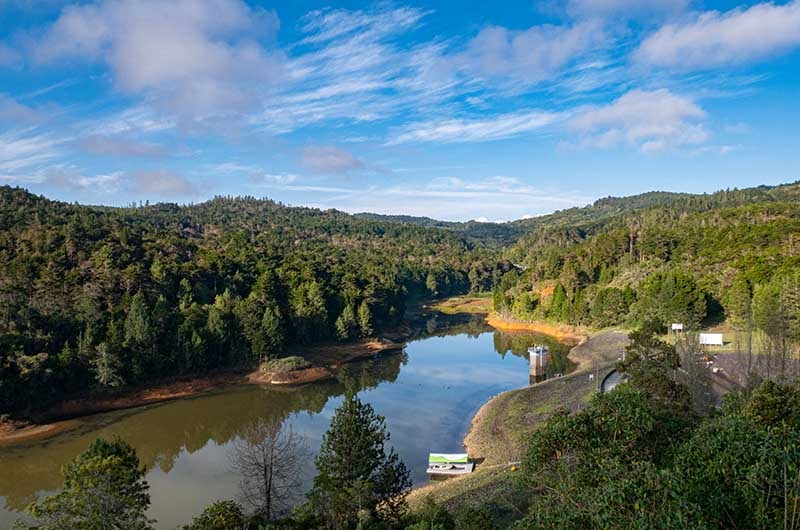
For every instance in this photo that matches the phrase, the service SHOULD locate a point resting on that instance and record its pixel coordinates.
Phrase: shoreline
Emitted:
(561, 332)
(326, 358)
(500, 426)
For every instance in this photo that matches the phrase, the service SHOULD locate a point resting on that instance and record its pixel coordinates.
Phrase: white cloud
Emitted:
(23, 152)
(195, 58)
(329, 159)
(453, 198)
(161, 183)
(70, 178)
(15, 113)
(529, 56)
(650, 120)
(121, 146)
(475, 130)
(718, 39)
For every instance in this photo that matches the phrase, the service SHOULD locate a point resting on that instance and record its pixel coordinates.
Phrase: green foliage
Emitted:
(365, 319)
(104, 487)
(172, 290)
(610, 307)
(475, 518)
(222, 515)
(738, 303)
(357, 472)
(685, 251)
(432, 516)
(346, 324)
(632, 459)
(670, 297)
(285, 364)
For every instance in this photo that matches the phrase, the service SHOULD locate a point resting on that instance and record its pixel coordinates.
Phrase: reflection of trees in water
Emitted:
(517, 343)
(443, 325)
(269, 458)
(160, 432)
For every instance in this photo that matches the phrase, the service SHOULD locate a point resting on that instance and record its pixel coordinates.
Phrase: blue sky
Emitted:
(457, 110)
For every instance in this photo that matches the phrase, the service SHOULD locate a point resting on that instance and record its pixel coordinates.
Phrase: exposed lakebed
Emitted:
(428, 394)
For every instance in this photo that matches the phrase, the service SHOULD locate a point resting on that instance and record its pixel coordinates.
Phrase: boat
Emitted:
(449, 464)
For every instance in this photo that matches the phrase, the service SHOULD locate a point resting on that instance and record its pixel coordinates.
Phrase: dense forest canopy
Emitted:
(669, 257)
(98, 297)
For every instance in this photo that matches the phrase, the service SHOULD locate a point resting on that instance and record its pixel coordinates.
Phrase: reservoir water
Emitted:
(428, 394)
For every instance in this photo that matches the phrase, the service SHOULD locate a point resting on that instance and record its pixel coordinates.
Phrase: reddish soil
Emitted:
(561, 332)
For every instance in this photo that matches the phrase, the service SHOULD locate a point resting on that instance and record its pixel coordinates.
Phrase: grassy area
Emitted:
(493, 488)
(285, 364)
(475, 303)
(502, 428)
(733, 339)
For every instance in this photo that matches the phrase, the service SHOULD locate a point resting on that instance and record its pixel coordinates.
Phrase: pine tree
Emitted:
(738, 303)
(107, 366)
(103, 488)
(138, 330)
(346, 325)
(357, 472)
(365, 319)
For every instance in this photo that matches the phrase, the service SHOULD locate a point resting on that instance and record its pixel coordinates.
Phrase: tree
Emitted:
(608, 308)
(222, 515)
(668, 297)
(559, 306)
(104, 487)
(268, 458)
(107, 366)
(346, 325)
(357, 473)
(738, 303)
(365, 319)
(138, 330)
(431, 284)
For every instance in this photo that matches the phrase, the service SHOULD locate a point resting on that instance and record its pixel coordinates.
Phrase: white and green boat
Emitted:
(449, 464)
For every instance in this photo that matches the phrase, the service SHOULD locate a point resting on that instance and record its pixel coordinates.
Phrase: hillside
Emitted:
(613, 261)
(99, 297)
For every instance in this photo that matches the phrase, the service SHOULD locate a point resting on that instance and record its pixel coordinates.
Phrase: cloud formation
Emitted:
(161, 183)
(475, 130)
(529, 56)
(716, 39)
(195, 58)
(329, 159)
(648, 120)
(118, 145)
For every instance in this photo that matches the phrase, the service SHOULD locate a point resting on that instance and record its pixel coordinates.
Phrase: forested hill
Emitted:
(97, 297)
(668, 257)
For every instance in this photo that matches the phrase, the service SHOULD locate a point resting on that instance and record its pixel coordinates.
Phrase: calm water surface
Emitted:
(428, 395)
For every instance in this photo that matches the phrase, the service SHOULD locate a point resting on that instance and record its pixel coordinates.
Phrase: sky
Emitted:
(457, 109)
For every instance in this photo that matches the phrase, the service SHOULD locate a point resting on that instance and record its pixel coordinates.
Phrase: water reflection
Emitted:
(428, 395)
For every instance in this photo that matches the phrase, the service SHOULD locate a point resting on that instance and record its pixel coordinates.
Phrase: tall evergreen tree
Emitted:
(358, 474)
(104, 487)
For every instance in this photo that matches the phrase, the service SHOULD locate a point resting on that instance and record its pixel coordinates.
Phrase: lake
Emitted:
(428, 394)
